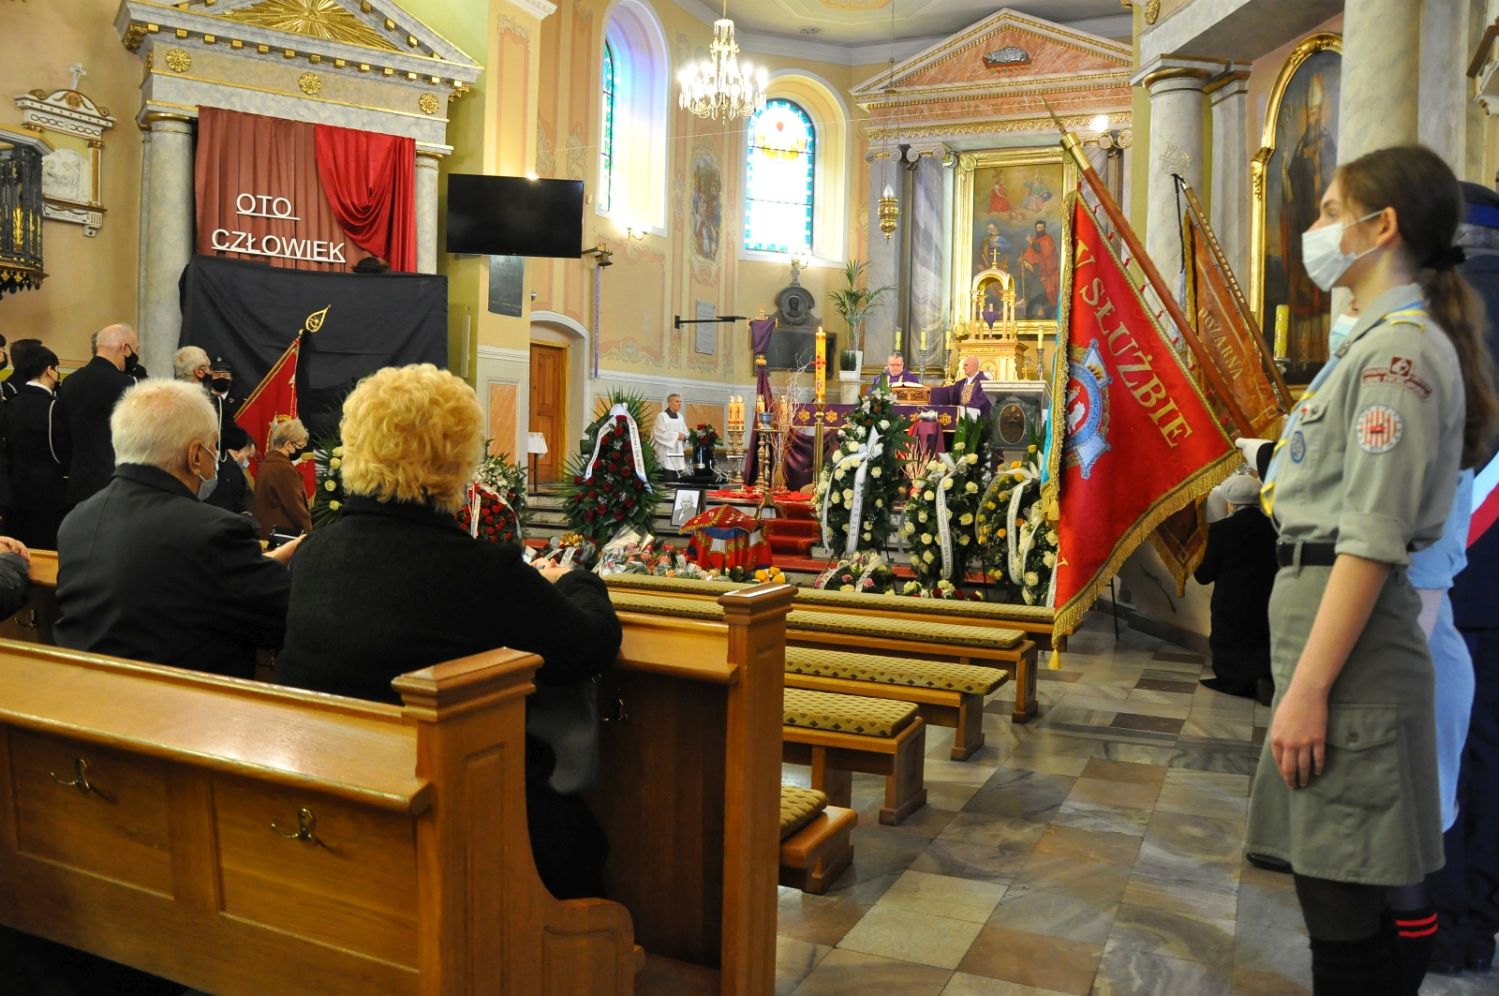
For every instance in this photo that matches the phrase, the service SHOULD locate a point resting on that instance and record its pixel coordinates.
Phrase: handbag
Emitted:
(566, 719)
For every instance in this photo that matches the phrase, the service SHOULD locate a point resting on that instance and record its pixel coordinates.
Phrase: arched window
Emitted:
(606, 144)
(780, 168)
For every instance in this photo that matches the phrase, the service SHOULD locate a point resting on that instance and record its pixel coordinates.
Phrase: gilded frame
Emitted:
(1063, 175)
(1259, 168)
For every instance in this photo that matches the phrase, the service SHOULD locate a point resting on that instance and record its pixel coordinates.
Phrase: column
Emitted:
(1229, 205)
(1175, 85)
(884, 166)
(930, 241)
(1444, 86)
(1379, 105)
(426, 211)
(140, 255)
(169, 236)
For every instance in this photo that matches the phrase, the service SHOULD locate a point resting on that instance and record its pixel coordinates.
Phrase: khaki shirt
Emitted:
(1368, 458)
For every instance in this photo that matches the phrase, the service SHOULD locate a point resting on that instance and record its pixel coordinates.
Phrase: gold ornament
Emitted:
(428, 103)
(889, 212)
(178, 61)
(310, 84)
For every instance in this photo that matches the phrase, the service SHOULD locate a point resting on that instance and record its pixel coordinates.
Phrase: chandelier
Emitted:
(719, 84)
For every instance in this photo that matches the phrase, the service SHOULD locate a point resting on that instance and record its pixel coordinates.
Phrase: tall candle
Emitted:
(1282, 330)
(820, 365)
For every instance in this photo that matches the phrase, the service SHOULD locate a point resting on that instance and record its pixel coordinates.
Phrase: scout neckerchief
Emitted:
(1288, 435)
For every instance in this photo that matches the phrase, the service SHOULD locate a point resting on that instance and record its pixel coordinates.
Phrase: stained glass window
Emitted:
(782, 148)
(606, 146)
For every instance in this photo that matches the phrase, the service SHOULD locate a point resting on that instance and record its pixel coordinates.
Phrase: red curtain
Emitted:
(251, 156)
(370, 182)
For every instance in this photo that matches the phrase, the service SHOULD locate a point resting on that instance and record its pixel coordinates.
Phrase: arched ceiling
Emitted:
(864, 22)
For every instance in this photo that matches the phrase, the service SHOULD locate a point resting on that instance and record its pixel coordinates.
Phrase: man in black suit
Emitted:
(88, 396)
(146, 570)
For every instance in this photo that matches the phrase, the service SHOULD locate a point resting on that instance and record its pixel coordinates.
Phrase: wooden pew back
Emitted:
(242, 838)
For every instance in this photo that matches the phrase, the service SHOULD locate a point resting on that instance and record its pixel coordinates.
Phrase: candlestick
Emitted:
(1282, 330)
(821, 364)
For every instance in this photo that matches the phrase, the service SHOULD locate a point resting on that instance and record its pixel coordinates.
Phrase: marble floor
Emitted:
(1097, 849)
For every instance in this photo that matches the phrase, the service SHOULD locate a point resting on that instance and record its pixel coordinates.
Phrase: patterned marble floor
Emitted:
(1096, 850)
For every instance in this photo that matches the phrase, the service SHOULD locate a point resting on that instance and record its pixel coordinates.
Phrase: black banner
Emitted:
(248, 313)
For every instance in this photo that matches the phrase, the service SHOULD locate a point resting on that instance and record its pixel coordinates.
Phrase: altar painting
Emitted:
(1290, 174)
(1009, 217)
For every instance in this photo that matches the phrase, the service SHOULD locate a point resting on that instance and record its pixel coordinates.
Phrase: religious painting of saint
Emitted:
(1290, 173)
(1009, 217)
(707, 206)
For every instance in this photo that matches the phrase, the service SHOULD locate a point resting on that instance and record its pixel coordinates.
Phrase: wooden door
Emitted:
(549, 407)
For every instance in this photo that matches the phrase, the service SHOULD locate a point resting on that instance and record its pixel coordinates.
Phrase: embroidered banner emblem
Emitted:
(1379, 429)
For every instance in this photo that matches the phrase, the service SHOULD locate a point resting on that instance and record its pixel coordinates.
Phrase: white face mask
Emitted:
(1323, 256)
(1341, 326)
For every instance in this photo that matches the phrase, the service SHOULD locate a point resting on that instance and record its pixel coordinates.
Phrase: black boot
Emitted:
(1353, 968)
(1413, 933)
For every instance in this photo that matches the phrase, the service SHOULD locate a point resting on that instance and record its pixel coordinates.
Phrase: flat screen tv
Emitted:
(514, 216)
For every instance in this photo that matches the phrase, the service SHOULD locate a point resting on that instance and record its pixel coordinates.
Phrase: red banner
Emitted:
(274, 400)
(1141, 440)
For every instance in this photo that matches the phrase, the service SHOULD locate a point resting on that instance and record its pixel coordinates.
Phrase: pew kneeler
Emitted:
(815, 839)
(840, 734)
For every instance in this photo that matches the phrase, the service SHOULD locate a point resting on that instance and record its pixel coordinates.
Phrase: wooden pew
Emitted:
(690, 791)
(690, 787)
(33, 623)
(243, 838)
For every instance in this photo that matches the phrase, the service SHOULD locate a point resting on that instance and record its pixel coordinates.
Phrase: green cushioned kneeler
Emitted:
(798, 807)
(845, 713)
(914, 630)
(964, 678)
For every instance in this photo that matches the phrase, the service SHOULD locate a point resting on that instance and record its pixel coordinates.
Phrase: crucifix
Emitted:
(77, 71)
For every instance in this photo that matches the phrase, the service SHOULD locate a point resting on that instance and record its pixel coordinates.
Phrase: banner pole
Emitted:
(1074, 148)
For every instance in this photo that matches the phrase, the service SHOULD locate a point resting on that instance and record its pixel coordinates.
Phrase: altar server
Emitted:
(669, 434)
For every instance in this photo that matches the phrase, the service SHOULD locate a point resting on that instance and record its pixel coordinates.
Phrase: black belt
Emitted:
(1312, 554)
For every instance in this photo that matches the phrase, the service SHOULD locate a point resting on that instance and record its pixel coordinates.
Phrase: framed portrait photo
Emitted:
(688, 502)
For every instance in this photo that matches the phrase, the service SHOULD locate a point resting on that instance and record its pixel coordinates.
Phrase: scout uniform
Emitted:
(1366, 465)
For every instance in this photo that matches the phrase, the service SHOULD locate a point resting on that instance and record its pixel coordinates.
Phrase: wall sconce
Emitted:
(635, 234)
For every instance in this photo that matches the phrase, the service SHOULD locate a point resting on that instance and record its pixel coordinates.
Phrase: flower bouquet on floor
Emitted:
(494, 507)
(943, 507)
(861, 481)
(616, 485)
(866, 571)
(1019, 545)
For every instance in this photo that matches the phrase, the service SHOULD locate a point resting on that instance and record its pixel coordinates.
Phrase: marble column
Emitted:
(1175, 85)
(1444, 86)
(169, 236)
(929, 237)
(1379, 105)
(1229, 205)
(883, 165)
(141, 244)
(427, 164)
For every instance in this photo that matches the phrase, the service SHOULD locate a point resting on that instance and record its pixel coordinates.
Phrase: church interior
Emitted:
(776, 314)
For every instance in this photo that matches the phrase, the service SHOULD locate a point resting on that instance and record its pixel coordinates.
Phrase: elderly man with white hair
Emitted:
(147, 570)
(88, 395)
(191, 364)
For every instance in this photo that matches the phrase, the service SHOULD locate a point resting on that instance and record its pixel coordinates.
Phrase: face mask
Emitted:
(207, 484)
(1323, 256)
(1339, 332)
(244, 463)
(131, 362)
(221, 386)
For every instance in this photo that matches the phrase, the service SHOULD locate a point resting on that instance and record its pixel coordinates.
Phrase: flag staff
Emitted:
(1074, 148)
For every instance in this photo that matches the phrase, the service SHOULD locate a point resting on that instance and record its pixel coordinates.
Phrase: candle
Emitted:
(820, 365)
(897, 339)
(923, 343)
(1282, 330)
(759, 403)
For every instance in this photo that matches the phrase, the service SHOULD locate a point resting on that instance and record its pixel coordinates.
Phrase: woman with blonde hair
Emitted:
(280, 492)
(395, 584)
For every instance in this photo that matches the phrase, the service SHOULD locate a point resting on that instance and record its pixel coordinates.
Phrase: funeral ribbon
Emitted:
(620, 409)
(870, 450)
(944, 517)
(476, 493)
(1020, 546)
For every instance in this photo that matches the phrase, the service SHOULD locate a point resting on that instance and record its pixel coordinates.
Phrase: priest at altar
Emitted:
(895, 369)
(970, 390)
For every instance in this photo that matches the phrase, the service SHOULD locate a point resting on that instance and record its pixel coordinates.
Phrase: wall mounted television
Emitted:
(514, 216)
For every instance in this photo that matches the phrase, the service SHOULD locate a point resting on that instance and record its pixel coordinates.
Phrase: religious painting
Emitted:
(707, 206)
(1289, 176)
(1008, 236)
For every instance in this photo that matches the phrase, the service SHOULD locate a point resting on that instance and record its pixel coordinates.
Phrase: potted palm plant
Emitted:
(854, 303)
